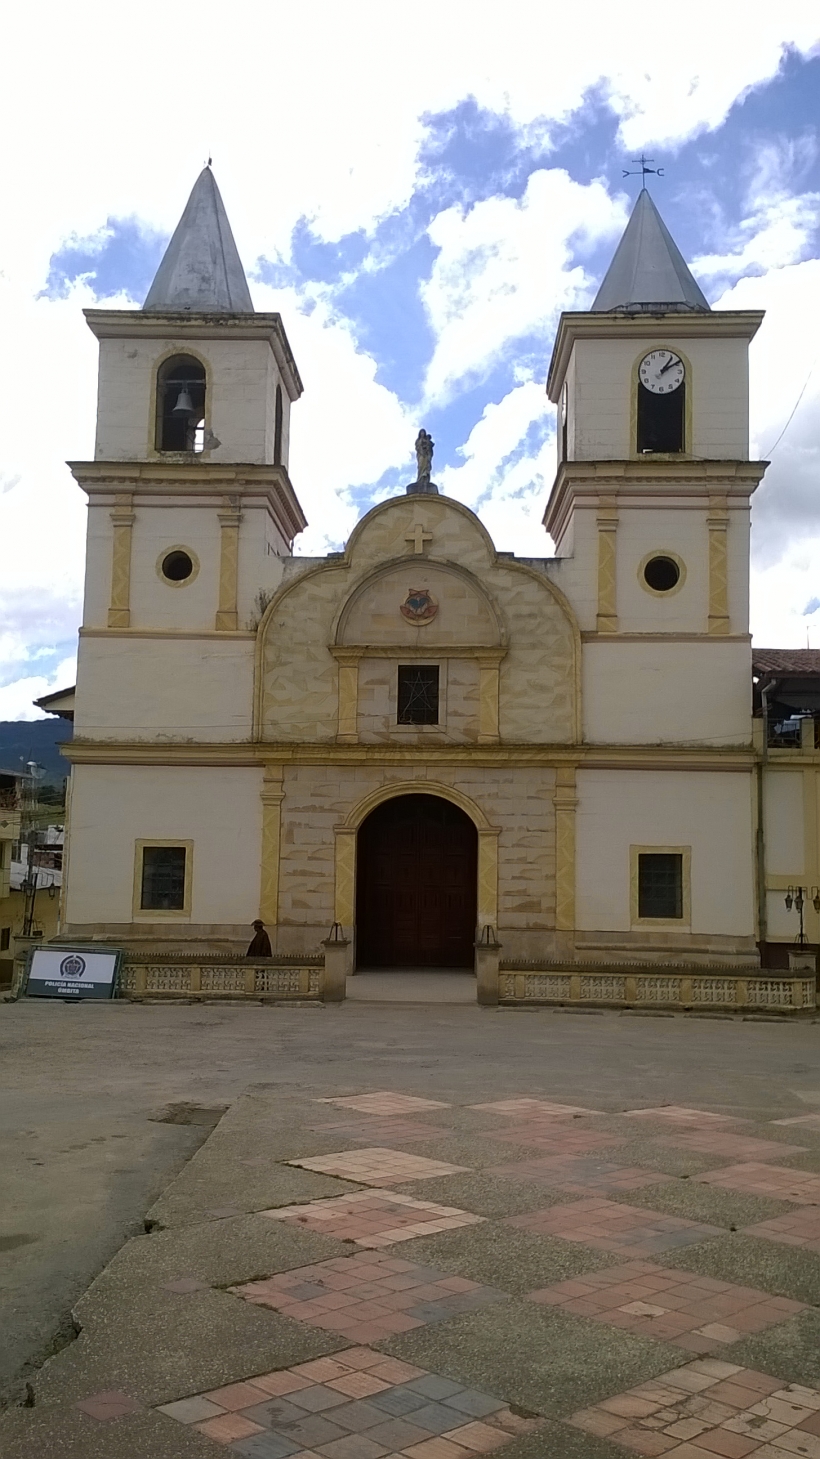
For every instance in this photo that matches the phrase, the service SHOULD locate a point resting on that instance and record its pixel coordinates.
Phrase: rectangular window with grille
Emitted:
(660, 884)
(418, 694)
(163, 878)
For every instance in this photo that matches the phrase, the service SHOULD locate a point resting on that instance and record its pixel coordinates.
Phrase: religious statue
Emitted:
(424, 457)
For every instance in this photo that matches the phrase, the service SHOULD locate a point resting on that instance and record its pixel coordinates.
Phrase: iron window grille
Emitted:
(163, 878)
(418, 694)
(660, 884)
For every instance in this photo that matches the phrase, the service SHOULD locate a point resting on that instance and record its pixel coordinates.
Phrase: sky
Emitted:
(419, 190)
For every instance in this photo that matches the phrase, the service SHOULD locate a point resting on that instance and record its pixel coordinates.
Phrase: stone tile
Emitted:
(613, 1226)
(676, 1114)
(418, 1410)
(691, 1311)
(579, 1174)
(557, 1137)
(801, 1186)
(737, 1423)
(797, 1228)
(371, 1130)
(525, 1109)
(191, 1410)
(782, 1270)
(385, 1102)
(790, 1351)
(377, 1165)
(733, 1145)
(367, 1298)
(513, 1261)
(374, 1220)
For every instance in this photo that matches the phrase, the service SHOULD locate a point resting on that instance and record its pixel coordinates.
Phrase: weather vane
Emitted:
(643, 169)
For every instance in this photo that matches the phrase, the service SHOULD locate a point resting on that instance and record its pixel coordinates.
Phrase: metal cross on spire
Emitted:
(643, 169)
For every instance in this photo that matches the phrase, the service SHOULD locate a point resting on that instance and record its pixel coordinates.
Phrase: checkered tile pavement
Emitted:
(695, 1312)
(368, 1298)
(756, 1179)
(555, 1137)
(377, 1166)
(386, 1102)
(616, 1227)
(359, 1405)
(374, 1219)
(679, 1114)
(811, 1122)
(733, 1146)
(798, 1228)
(525, 1109)
(709, 1408)
(373, 1130)
(579, 1174)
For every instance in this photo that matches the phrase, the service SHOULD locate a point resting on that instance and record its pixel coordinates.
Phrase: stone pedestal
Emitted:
(338, 964)
(802, 960)
(486, 971)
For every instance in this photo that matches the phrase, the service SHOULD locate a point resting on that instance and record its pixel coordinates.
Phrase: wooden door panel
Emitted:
(416, 885)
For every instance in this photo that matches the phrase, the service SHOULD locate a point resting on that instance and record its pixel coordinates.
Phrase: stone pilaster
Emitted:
(607, 522)
(229, 519)
(565, 802)
(272, 797)
(122, 517)
(718, 524)
(347, 728)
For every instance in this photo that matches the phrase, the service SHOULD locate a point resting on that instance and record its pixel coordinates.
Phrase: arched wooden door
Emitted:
(416, 869)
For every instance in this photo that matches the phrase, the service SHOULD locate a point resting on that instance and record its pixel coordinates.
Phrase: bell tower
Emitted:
(192, 514)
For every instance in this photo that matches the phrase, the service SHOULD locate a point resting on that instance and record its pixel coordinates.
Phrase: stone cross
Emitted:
(419, 537)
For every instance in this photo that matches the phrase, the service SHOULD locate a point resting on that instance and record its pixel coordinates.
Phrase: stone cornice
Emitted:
(134, 324)
(617, 757)
(182, 477)
(718, 323)
(675, 479)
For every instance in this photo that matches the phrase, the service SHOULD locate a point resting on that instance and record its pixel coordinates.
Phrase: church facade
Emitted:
(421, 740)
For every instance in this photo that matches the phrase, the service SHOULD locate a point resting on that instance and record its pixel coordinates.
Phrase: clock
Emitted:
(661, 371)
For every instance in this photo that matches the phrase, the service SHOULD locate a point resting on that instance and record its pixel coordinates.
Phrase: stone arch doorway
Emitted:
(416, 876)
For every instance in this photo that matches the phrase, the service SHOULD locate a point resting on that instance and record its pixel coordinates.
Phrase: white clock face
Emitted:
(661, 371)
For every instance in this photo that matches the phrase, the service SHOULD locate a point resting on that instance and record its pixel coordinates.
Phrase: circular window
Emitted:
(177, 566)
(661, 574)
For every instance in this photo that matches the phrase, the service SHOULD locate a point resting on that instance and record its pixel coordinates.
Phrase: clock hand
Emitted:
(670, 362)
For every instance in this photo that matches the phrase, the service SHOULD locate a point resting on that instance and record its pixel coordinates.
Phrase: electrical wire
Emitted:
(767, 455)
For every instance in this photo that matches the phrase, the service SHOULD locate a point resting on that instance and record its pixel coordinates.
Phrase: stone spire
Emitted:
(201, 272)
(648, 271)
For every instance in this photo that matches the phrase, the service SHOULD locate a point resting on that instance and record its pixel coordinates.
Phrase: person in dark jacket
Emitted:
(260, 944)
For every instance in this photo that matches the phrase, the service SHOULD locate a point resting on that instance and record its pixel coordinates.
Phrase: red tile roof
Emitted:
(796, 662)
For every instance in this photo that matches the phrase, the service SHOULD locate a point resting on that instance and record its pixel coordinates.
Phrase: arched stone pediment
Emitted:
(464, 617)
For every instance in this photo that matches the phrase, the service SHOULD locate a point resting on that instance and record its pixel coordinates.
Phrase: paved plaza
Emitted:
(436, 1232)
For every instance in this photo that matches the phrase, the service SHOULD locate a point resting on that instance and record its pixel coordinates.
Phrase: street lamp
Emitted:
(797, 897)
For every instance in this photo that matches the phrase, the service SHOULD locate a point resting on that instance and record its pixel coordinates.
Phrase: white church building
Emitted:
(420, 738)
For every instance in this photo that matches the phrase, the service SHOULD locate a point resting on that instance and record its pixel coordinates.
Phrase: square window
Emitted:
(163, 878)
(660, 884)
(418, 694)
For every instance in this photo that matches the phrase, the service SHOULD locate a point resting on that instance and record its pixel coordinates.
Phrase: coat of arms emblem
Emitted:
(419, 607)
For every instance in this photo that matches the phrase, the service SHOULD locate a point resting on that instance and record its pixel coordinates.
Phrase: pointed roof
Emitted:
(648, 270)
(201, 271)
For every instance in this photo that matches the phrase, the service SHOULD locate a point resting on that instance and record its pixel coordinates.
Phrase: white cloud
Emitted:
(504, 270)
(16, 700)
(780, 224)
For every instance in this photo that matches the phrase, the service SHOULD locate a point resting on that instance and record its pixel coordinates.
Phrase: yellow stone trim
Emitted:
(683, 922)
(122, 517)
(362, 809)
(718, 525)
(243, 752)
(487, 912)
(588, 636)
(344, 900)
(272, 795)
(347, 724)
(607, 522)
(154, 914)
(660, 592)
(353, 653)
(489, 679)
(565, 802)
(408, 563)
(229, 520)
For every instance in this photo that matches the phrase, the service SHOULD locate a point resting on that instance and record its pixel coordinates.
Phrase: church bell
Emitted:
(184, 405)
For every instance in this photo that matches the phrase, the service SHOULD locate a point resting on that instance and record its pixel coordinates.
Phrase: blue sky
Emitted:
(420, 237)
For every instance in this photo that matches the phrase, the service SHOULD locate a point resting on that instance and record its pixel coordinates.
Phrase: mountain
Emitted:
(35, 739)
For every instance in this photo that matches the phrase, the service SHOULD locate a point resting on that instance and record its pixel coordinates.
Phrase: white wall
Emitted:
(651, 692)
(166, 689)
(113, 806)
(711, 812)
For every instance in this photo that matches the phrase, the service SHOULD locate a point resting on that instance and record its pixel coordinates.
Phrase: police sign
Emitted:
(71, 972)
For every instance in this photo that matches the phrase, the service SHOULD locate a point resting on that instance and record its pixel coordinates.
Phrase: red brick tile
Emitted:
(236, 1395)
(229, 1426)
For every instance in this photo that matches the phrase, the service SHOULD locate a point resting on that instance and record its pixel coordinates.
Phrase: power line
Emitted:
(768, 454)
